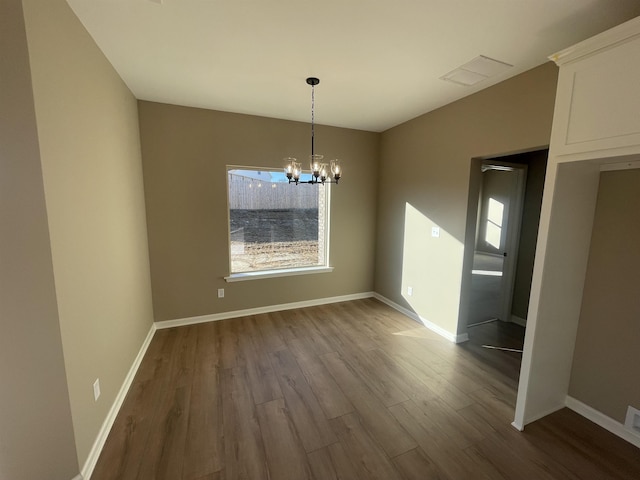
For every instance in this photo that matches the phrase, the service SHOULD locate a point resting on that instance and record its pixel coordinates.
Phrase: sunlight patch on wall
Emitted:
(431, 270)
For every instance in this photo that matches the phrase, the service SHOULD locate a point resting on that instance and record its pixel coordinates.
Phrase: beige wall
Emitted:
(36, 433)
(185, 153)
(606, 353)
(90, 150)
(424, 181)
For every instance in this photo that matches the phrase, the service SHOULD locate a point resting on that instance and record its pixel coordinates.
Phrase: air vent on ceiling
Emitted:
(475, 71)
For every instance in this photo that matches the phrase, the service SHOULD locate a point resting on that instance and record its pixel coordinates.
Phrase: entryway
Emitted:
(505, 197)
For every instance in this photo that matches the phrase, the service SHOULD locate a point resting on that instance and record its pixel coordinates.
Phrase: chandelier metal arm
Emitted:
(314, 181)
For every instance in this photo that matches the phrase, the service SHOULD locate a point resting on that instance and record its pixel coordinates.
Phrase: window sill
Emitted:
(288, 272)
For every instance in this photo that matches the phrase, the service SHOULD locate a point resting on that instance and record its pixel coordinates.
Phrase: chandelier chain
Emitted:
(313, 103)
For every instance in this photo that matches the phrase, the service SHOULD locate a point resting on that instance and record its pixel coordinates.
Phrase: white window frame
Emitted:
(281, 272)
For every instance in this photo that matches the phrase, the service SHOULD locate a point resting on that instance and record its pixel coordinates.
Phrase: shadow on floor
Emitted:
(497, 334)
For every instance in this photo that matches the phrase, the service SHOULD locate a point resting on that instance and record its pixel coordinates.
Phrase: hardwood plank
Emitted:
(384, 428)
(583, 447)
(349, 329)
(243, 446)
(159, 354)
(496, 403)
(361, 325)
(204, 449)
(395, 375)
(263, 382)
(315, 340)
(120, 458)
(304, 409)
(333, 463)
(330, 397)
(370, 460)
(380, 381)
(286, 459)
(438, 357)
(485, 467)
(416, 465)
(212, 476)
(477, 366)
(530, 461)
(170, 425)
(502, 334)
(438, 447)
(442, 418)
(231, 354)
(482, 419)
(466, 381)
(435, 384)
(271, 336)
(397, 323)
(159, 460)
(285, 324)
(337, 335)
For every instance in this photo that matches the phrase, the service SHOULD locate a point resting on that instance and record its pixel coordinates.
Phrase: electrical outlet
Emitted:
(409, 291)
(632, 421)
(96, 389)
(435, 232)
(221, 293)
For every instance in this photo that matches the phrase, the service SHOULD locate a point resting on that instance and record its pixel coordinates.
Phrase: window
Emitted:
(274, 225)
(495, 215)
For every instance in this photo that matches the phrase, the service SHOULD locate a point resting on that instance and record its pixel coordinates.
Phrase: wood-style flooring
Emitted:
(350, 391)
(497, 334)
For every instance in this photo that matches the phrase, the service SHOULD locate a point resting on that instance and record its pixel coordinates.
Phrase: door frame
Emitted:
(472, 224)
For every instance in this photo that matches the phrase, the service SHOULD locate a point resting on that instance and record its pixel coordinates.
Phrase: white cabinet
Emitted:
(598, 98)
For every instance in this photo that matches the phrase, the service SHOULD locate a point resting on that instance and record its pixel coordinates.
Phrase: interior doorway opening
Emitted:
(505, 196)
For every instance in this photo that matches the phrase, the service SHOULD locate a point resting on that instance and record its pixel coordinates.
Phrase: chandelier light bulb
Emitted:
(336, 171)
(323, 173)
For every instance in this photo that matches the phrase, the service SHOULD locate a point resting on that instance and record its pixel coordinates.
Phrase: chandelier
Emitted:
(319, 170)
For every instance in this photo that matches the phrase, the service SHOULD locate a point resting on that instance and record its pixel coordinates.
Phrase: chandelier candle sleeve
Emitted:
(319, 170)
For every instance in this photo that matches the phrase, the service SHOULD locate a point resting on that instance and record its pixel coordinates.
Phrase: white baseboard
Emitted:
(214, 317)
(452, 337)
(518, 320)
(517, 426)
(312, 303)
(98, 444)
(77, 477)
(604, 421)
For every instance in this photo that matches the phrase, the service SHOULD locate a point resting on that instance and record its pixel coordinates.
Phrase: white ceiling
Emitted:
(379, 61)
